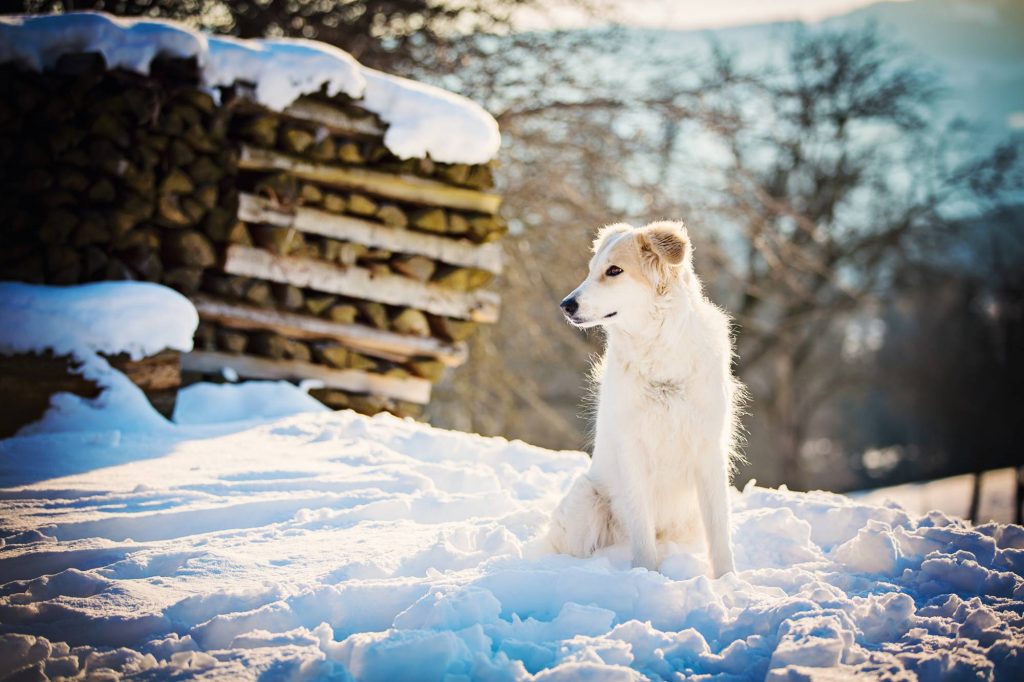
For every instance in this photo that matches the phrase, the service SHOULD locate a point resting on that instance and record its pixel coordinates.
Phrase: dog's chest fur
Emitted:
(652, 408)
(649, 381)
(649, 389)
(661, 405)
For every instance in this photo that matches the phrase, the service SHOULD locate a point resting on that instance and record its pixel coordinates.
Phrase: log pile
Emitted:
(109, 175)
(309, 249)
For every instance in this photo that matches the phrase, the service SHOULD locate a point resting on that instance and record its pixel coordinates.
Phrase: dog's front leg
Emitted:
(632, 509)
(713, 496)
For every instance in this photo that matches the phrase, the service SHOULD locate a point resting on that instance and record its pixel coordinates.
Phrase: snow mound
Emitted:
(334, 546)
(206, 403)
(137, 318)
(422, 120)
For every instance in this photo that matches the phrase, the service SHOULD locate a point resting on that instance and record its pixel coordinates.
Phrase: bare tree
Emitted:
(832, 176)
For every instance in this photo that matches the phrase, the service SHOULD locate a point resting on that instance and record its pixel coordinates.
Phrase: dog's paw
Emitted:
(648, 561)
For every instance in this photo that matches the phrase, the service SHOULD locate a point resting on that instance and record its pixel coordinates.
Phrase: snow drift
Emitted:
(334, 546)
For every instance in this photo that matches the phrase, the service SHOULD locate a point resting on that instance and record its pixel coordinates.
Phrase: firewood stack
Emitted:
(309, 249)
(109, 175)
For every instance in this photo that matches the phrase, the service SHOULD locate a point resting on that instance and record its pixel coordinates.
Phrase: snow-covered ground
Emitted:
(330, 545)
(263, 537)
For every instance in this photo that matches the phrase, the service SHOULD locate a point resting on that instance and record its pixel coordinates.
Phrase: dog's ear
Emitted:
(664, 241)
(607, 232)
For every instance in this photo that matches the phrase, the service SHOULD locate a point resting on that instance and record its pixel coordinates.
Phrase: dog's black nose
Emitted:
(569, 305)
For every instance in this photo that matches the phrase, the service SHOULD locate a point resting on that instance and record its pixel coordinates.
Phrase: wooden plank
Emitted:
(413, 389)
(247, 261)
(349, 228)
(332, 118)
(256, 209)
(358, 337)
(401, 187)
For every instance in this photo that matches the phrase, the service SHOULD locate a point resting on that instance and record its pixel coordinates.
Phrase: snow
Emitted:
(206, 403)
(422, 120)
(130, 44)
(330, 545)
(137, 318)
(426, 120)
(283, 69)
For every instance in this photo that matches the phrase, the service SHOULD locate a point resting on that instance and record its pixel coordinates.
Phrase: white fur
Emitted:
(666, 411)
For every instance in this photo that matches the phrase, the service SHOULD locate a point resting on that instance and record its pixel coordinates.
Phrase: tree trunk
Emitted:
(789, 429)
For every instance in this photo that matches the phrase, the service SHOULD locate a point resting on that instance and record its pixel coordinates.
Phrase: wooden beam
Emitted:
(358, 337)
(401, 187)
(332, 118)
(413, 389)
(256, 209)
(247, 261)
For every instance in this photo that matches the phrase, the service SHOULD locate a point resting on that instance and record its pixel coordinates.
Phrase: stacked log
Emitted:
(109, 175)
(310, 250)
(352, 267)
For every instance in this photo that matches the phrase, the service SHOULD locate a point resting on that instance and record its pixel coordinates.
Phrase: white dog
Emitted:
(668, 404)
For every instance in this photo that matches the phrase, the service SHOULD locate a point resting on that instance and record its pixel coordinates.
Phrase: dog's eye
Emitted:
(613, 271)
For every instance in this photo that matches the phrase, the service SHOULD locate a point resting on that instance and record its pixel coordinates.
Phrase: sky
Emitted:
(692, 14)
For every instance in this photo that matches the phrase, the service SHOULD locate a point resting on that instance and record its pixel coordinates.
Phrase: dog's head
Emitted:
(630, 270)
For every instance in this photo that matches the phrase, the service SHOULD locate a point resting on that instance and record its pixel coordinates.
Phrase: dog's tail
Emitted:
(583, 521)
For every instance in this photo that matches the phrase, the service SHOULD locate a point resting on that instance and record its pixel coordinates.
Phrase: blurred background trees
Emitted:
(867, 240)
(821, 184)
(836, 179)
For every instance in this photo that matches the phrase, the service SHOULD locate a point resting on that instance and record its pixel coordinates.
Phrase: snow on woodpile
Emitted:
(335, 546)
(136, 318)
(422, 120)
(131, 44)
(280, 70)
(425, 120)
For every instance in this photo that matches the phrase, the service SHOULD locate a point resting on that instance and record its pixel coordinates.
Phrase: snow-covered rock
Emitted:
(422, 120)
(334, 546)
